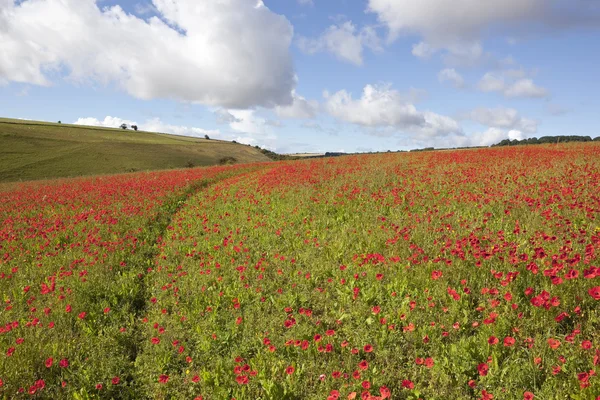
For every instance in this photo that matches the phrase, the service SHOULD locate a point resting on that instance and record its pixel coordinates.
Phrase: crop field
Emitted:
(469, 274)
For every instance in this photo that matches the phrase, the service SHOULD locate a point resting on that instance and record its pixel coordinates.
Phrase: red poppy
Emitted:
(429, 362)
(366, 384)
(509, 341)
(586, 344)
(553, 343)
(163, 379)
(528, 396)
(290, 370)
(99, 386)
(64, 363)
(385, 392)
(368, 348)
(483, 369)
(407, 384)
(493, 340)
(115, 380)
(49, 362)
(595, 292)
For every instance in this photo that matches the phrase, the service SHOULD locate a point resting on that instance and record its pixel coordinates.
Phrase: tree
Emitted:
(123, 126)
(206, 137)
(59, 122)
(134, 127)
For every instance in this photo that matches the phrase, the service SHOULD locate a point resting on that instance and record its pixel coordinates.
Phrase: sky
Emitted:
(298, 76)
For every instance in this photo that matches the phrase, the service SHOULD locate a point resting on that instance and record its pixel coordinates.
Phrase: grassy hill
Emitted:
(38, 150)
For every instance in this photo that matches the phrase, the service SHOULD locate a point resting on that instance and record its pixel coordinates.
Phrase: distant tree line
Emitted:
(274, 156)
(548, 139)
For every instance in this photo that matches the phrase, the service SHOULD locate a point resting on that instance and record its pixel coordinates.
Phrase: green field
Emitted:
(40, 150)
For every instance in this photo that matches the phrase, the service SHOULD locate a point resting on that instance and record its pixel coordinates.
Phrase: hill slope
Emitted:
(38, 150)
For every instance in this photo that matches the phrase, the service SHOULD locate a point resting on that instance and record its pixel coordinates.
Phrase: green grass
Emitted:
(31, 150)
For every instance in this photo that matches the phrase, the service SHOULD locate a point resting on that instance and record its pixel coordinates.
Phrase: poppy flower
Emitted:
(368, 348)
(115, 380)
(528, 396)
(408, 384)
(483, 369)
(163, 379)
(290, 370)
(49, 362)
(553, 343)
(595, 292)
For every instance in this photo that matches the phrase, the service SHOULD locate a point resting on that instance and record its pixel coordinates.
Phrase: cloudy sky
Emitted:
(308, 75)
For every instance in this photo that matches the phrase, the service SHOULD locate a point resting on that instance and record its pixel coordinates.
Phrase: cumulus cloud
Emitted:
(525, 88)
(385, 108)
(506, 84)
(493, 136)
(233, 54)
(344, 41)
(443, 23)
(151, 125)
(299, 109)
(504, 118)
(450, 75)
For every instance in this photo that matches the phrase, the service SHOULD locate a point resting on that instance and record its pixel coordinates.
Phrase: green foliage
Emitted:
(546, 140)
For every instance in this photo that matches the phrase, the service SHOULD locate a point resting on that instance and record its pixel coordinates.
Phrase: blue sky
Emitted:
(308, 76)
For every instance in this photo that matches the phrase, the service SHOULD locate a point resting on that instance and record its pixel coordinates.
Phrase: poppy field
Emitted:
(468, 274)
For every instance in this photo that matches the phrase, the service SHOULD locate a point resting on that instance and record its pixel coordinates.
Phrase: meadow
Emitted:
(41, 150)
(468, 274)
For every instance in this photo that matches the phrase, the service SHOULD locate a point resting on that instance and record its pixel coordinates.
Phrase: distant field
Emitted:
(32, 150)
(306, 155)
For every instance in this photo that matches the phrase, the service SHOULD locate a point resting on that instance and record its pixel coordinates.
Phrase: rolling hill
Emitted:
(31, 150)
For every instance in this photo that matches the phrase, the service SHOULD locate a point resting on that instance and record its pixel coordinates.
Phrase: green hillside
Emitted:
(38, 150)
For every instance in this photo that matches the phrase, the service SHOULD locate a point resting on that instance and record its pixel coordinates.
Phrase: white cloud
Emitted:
(108, 122)
(506, 84)
(344, 41)
(450, 75)
(231, 53)
(423, 50)
(246, 121)
(299, 109)
(505, 118)
(493, 136)
(385, 112)
(443, 23)
(525, 88)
